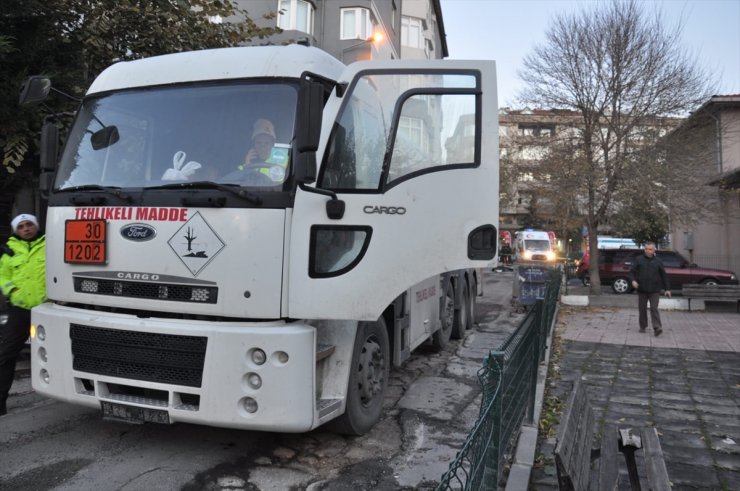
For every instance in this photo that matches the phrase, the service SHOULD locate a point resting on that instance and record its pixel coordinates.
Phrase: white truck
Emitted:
(275, 298)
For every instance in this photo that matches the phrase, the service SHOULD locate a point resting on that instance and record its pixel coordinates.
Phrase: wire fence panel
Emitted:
(508, 379)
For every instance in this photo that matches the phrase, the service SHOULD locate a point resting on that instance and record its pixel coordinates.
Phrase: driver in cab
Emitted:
(259, 163)
(263, 139)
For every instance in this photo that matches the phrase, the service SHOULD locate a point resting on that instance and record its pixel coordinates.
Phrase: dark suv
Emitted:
(615, 264)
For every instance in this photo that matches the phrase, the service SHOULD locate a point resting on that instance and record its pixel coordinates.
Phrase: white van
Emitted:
(534, 245)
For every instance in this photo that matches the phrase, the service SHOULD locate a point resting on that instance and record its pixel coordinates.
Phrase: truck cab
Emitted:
(265, 290)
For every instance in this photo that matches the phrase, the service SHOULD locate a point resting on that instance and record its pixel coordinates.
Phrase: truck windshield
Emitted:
(237, 133)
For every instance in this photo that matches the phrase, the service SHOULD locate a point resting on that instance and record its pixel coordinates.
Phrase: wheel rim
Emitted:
(621, 285)
(371, 371)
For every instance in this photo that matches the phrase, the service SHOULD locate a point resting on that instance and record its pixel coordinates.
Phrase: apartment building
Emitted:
(716, 242)
(352, 30)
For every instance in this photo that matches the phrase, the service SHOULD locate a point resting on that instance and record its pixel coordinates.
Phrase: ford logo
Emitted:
(138, 232)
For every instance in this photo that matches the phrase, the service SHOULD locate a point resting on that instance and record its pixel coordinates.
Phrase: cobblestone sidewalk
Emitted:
(686, 383)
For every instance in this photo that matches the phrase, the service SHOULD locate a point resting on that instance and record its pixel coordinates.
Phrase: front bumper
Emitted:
(228, 388)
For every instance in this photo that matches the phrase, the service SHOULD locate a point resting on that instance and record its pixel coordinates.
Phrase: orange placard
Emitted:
(84, 241)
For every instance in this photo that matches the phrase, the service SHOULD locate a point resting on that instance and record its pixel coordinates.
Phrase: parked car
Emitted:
(615, 264)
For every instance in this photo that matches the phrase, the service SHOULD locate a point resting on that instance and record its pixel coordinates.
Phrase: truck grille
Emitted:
(152, 357)
(155, 291)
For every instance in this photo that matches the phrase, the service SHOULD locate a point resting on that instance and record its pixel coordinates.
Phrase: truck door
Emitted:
(410, 149)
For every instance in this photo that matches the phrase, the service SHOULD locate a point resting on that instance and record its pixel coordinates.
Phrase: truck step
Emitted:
(326, 406)
(323, 351)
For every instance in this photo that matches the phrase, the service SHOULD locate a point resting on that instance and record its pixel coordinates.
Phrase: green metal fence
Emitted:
(509, 379)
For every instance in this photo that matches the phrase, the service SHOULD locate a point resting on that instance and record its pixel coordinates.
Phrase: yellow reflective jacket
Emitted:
(22, 271)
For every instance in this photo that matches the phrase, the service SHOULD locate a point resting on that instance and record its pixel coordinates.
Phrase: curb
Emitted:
(629, 301)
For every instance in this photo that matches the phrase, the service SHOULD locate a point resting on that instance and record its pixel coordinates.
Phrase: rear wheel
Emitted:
(460, 321)
(441, 336)
(368, 380)
(621, 285)
(471, 302)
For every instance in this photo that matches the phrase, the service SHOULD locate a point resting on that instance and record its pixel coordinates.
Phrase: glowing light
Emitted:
(377, 37)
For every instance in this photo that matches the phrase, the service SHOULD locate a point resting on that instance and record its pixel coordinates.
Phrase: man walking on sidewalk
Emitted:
(648, 277)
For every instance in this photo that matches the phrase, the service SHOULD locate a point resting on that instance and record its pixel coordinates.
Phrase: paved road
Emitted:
(432, 404)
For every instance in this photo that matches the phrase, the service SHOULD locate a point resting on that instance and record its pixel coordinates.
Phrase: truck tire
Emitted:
(441, 337)
(368, 380)
(473, 290)
(460, 320)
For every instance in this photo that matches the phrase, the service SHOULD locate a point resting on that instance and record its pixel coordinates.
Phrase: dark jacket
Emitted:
(649, 274)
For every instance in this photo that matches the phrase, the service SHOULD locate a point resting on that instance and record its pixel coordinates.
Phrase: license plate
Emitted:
(84, 241)
(133, 414)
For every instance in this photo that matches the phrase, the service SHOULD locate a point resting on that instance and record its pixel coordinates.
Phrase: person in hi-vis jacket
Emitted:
(23, 282)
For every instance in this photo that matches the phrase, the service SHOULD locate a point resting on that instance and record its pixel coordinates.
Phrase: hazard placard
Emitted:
(85, 241)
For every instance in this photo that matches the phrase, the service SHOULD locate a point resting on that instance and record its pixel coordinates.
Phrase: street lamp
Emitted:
(376, 38)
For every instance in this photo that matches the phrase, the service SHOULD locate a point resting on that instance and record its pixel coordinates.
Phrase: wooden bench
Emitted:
(712, 293)
(574, 450)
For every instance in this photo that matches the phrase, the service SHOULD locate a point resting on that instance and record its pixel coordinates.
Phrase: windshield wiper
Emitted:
(95, 187)
(234, 189)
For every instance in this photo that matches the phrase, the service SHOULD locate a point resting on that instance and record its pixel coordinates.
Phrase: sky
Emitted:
(508, 30)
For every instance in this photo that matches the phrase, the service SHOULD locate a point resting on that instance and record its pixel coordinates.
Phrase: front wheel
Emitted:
(368, 380)
(621, 285)
(710, 282)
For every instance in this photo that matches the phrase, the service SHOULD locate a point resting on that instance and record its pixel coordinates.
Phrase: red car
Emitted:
(615, 264)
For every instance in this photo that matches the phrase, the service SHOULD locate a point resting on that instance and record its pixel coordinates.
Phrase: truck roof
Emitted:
(218, 64)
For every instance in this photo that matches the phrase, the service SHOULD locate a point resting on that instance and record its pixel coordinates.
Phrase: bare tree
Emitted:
(624, 72)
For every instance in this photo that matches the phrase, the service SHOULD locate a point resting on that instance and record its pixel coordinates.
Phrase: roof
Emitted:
(218, 64)
(720, 100)
(728, 180)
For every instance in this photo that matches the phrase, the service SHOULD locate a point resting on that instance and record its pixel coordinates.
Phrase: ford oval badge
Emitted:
(138, 232)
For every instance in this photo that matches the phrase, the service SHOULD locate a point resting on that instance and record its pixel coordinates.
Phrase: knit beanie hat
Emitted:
(23, 217)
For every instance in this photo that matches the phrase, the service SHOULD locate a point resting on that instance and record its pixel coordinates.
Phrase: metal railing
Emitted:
(508, 379)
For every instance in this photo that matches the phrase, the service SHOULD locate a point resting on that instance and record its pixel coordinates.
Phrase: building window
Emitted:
(296, 15)
(536, 130)
(356, 23)
(413, 130)
(411, 30)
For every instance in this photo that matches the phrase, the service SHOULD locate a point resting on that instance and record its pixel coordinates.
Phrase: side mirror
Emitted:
(104, 137)
(34, 90)
(308, 130)
(310, 115)
(46, 179)
(49, 146)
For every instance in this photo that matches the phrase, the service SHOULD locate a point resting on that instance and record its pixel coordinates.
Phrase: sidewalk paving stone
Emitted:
(686, 383)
